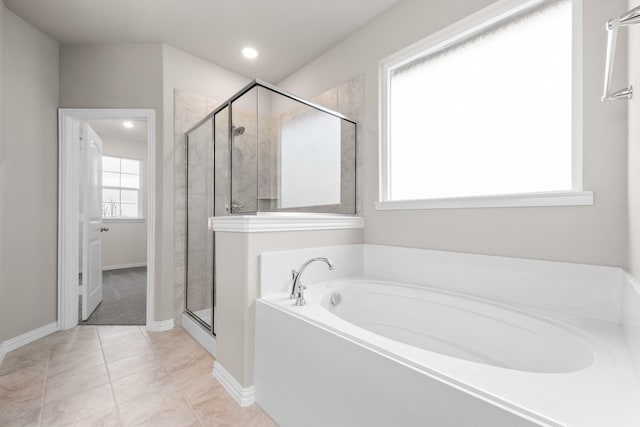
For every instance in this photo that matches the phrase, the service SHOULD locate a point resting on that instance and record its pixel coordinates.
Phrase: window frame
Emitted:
(140, 216)
(450, 36)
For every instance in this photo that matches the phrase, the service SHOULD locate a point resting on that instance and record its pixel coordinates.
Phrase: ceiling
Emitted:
(287, 33)
(115, 129)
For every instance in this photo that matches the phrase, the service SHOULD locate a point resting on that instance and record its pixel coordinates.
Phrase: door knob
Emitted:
(102, 229)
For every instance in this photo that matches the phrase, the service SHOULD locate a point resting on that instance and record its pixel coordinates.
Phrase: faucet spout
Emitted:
(297, 290)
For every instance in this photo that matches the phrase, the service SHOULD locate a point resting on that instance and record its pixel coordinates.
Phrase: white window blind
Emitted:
(491, 115)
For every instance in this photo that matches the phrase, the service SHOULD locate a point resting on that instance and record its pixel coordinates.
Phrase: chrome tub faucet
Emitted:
(297, 291)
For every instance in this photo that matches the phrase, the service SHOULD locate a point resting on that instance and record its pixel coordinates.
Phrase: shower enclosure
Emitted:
(262, 152)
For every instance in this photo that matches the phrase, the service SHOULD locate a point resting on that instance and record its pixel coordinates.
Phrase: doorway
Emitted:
(122, 211)
(126, 211)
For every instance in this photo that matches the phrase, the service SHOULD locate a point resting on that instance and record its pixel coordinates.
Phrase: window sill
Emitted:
(560, 198)
(114, 220)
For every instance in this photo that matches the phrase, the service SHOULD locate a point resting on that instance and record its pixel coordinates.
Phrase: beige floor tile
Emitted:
(23, 385)
(222, 410)
(143, 383)
(131, 365)
(201, 388)
(73, 382)
(65, 362)
(115, 329)
(34, 355)
(107, 418)
(37, 346)
(79, 406)
(75, 344)
(20, 414)
(254, 416)
(131, 348)
(173, 335)
(160, 409)
(158, 379)
(124, 336)
(182, 357)
(88, 331)
(199, 368)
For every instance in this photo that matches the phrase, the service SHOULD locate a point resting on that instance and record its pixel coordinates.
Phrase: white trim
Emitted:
(561, 198)
(68, 211)
(203, 337)
(26, 338)
(121, 266)
(160, 325)
(68, 230)
(275, 223)
(244, 396)
(452, 35)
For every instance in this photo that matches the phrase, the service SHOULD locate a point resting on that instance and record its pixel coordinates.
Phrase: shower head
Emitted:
(237, 130)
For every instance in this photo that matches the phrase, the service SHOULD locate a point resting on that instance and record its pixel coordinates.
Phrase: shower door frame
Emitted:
(209, 328)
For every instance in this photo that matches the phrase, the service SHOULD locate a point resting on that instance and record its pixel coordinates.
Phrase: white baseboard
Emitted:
(203, 337)
(26, 338)
(121, 266)
(245, 396)
(160, 325)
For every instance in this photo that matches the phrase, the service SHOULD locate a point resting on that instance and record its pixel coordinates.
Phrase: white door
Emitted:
(92, 222)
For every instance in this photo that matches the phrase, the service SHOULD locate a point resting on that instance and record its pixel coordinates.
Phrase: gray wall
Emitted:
(122, 76)
(28, 178)
(595, 234)
(634, 150)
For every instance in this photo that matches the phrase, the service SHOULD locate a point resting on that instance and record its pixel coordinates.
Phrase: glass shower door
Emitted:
(199, 261)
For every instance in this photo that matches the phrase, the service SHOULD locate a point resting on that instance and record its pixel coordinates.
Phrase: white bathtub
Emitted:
(393, 354)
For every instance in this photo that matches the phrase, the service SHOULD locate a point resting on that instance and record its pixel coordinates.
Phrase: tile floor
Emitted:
(117, 376)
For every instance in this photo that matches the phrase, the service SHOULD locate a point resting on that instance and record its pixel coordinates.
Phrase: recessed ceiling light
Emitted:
(249, 52)
(128, 124)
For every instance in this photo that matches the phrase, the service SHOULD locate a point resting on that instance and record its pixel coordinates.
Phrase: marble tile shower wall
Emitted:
(247, 152)
(189, 109)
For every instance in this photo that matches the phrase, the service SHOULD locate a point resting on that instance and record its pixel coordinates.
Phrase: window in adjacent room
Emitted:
(120, 187)
(487, 108)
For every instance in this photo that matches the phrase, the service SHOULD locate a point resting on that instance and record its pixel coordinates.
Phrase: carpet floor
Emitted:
(124, 298)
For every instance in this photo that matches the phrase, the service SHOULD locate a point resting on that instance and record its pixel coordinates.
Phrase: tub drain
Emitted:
(335, 299)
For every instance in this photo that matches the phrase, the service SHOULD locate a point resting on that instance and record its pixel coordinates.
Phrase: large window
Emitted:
(485, 108)
(120, 188)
